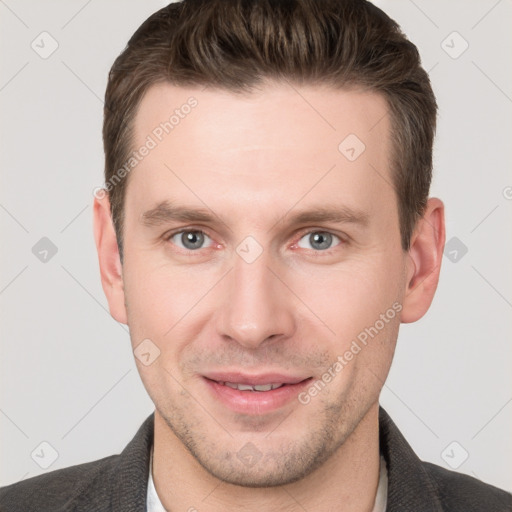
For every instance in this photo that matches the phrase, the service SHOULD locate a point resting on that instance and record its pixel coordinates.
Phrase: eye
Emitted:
(318, 240)
(190, 240)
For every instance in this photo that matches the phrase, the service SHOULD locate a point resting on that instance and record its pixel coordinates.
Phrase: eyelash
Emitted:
(302, 234)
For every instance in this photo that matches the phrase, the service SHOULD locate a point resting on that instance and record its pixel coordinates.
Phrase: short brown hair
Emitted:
(235, 44)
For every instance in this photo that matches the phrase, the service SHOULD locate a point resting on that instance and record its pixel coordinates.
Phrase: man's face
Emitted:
(256, 289)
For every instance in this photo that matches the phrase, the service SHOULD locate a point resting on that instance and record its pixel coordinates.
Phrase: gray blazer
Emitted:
(119, 482)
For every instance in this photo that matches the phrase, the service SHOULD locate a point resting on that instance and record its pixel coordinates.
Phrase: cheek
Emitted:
(362, 307)
(167, 303)
(160, 306)
(155, 299)
(352, 296)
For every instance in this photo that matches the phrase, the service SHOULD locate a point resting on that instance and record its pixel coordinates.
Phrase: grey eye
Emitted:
(318, 240)
(190, 240)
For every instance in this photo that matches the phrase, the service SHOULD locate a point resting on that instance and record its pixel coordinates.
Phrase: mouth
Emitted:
(254, 387)
(255, 394)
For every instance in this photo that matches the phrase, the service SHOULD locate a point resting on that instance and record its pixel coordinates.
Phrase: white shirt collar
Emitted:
(153, 503)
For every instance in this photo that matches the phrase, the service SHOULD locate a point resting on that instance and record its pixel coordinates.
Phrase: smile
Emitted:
(249, 387)
(256, 395)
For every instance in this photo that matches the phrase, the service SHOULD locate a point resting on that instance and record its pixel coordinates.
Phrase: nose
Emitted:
(256, 306)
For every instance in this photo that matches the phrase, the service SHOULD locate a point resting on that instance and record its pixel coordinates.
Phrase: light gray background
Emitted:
(67, 373)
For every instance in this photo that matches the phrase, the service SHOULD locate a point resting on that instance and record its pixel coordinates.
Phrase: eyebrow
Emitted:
(335, 214)
(165, 212)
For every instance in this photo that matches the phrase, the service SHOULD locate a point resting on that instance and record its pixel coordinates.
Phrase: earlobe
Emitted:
(424, 263)
(109, 259)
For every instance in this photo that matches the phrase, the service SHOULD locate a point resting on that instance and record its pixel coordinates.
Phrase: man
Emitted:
(264, 229)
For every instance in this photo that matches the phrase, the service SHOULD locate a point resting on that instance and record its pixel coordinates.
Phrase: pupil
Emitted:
(192, 239)
(321, 241)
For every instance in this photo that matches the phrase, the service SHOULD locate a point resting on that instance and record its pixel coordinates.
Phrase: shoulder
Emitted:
(462, 492)
(55, 489)
(423, 486)
(117, 482)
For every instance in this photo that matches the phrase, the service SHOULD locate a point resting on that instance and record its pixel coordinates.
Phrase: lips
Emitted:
(255, 394)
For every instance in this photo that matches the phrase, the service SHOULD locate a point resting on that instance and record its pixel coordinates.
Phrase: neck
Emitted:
(347, 481)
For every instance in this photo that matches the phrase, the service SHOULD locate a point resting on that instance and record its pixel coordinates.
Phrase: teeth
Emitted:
(248, 387)
(244, 387)
(263, 387)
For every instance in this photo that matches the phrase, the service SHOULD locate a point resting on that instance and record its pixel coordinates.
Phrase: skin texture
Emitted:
(253, 161)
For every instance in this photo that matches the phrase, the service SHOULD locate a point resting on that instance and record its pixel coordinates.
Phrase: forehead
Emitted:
(270, 147)
(298, 113)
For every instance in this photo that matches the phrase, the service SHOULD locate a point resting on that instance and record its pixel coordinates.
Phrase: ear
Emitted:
(424, 262)
(108, 255)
